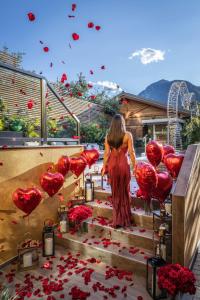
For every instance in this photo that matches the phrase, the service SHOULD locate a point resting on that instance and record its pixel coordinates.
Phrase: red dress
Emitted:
(119, 173)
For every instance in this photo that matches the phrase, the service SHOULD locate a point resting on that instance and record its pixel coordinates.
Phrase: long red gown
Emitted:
(119, 173)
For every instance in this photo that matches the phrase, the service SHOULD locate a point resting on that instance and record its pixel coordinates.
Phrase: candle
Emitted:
(168, 208)
(89, 194)
(48, 246)
(63, 226)
(27, 260)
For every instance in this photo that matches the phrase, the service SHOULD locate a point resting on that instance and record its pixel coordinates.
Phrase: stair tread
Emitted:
(107, 205)
(120, 249)
(132, 230)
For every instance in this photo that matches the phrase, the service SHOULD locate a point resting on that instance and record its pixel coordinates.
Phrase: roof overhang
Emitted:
(162, 121)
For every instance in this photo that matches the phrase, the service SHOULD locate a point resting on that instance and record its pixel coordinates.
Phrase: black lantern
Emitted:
(153, 264)
(48, 238)
(89, 190)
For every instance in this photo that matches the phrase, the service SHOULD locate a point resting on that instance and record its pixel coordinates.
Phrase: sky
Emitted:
(140, 41)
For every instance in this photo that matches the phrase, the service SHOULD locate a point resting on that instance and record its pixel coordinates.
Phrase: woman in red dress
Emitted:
(118, 143)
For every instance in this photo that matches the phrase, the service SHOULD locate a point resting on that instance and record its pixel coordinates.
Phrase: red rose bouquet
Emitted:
(79, 213)
(174, 279)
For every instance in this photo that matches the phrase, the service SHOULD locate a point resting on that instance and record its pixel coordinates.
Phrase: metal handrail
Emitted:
(44, 83)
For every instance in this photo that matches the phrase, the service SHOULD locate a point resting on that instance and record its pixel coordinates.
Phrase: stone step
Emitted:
(109, 251)
(134, 235)
(104, 195)
(104, 209)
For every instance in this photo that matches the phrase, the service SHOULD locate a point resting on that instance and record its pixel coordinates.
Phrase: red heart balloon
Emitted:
(51, 182)
(63, 165)
(91, 156)
(166, 150)
(146, 178)
(27, 199)
(163, 188)
(77, 165)
(154, 152)
(173, 163)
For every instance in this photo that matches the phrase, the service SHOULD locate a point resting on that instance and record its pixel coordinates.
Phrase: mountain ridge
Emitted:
(159, 90)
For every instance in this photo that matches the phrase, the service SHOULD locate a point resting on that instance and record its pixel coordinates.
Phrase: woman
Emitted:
(118, 143)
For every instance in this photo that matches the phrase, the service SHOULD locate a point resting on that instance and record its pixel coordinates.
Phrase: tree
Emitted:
(191, 130)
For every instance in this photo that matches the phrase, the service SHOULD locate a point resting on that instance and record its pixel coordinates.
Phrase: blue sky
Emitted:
(171, 27)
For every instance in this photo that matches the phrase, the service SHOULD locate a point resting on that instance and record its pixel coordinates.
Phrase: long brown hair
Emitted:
(116, 131)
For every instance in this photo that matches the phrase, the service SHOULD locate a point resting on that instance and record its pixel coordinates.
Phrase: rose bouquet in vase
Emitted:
(176, 280)
(77, 215)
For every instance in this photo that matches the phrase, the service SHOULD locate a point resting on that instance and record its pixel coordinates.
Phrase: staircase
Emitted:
(127, 249)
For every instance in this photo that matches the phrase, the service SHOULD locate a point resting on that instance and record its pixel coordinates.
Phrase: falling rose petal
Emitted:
(41, 42)
(103, 67)
(14, 222)
(90, 25)
(31, 16)
(1, 163)
(70, 46)
(51, 65)
(46, 49)
(75, 36)
(62, 61)
(91, 72)
(30, 104)
(97, 27)
(71, 16)
(74, 6)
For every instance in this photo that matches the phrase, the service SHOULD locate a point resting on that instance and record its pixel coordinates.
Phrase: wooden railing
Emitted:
(186, 208)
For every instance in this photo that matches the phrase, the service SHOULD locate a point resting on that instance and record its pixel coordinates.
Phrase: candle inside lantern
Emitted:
(48, 246)
(63, 226)
(27, 260)
(89, 194)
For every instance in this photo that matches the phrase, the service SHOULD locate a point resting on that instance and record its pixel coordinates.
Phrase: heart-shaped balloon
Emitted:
(51, 182)
(173, 163)
(167, 149)
(77, 165)
(27, 199)
(146, 178)
(63, 165)
(154, 152)
(163, 188)
(91, 156)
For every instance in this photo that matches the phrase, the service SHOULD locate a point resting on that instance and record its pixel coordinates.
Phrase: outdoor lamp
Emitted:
(48, 238)
(153, 264)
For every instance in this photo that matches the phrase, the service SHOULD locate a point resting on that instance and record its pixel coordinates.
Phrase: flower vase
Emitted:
(147, 207)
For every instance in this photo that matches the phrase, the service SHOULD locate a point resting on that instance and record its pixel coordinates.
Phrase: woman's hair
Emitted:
(116, 131)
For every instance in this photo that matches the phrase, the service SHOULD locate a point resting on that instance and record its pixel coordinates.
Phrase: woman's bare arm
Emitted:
(106, 153)
(131, 149)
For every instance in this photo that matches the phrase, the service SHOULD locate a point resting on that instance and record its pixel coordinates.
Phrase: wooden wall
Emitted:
(23, 168)
(186, 208)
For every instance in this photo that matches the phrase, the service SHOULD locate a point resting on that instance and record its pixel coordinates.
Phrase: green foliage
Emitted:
(92, 133)
(191, 130)
(61, 128)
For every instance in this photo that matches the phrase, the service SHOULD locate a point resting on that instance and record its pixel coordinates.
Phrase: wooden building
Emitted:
(146, 118)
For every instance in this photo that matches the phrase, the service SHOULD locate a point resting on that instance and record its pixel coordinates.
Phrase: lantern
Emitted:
(63, 218)
(48, 238)
(28, 253)
(153, 264)
(89, 190)
(168, 206)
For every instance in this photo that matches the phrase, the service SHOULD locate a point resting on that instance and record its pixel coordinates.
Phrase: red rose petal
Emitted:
(31, 16)
(30, 104)
(91, 72)
(90, 25)
(74, 6)
(75, 36)
(97, 27)
(46, 49)
(103, 67)
(139, 298)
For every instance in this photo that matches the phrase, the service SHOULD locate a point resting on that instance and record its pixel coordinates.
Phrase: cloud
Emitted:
(109, 85)
(148, 55)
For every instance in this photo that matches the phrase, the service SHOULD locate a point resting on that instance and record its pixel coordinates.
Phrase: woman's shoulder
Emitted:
(128, 134)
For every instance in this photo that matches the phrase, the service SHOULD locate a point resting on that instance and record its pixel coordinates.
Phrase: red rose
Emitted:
(67, 85)
(74, 7)
(30, 104)
(92, 97)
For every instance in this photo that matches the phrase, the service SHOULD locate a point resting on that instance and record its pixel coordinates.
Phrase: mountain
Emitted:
(159, 90)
